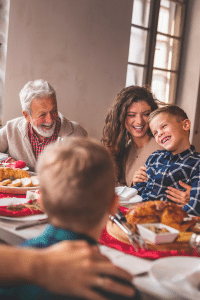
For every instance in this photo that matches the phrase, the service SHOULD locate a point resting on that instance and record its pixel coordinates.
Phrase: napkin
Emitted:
(3, 156)
(127, 195)
(186, 284)
(17, 164)
(125, 191)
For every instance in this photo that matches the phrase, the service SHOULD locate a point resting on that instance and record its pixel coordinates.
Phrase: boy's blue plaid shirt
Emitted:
(165, 169)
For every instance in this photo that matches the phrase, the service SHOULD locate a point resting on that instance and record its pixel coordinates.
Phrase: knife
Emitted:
(126, 230)
(31, 224)
(133, 237)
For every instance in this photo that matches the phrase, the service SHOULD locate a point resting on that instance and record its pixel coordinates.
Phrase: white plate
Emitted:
(129, 202)
(25, 219)
(166, 268)
(25, 168)
(17, 190)
(13, 201)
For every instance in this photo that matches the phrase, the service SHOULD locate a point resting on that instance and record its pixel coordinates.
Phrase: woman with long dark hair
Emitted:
(127, 135)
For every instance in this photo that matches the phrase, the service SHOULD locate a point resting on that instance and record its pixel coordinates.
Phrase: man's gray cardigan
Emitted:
(14, 138)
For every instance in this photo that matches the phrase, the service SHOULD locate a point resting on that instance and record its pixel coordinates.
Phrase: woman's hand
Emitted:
(140, 175)
(178, 196)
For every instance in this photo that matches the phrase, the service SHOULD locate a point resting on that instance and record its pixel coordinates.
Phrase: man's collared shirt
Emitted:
(38, 146)
(165, 169)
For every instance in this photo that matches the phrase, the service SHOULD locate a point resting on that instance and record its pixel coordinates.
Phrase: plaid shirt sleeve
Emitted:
(139, 186)
(193, 207)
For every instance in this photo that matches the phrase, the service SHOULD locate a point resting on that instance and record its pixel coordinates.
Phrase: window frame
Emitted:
(150, 47)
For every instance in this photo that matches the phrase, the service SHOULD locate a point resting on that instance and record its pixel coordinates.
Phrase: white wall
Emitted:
(4, 19)
(79, 46)
(189, 83)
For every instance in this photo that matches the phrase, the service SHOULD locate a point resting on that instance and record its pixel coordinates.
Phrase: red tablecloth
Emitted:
(23, 212)
(108, 240)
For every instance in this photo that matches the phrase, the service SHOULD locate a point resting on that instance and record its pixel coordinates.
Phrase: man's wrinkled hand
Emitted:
(75, 268)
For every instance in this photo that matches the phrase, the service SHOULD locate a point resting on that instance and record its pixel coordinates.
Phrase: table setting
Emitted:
(159, 272)
(21, 211)
(127, 196)
(19, 202)
(115, 236)
(178, 274)
(17, 225)
(150, 276)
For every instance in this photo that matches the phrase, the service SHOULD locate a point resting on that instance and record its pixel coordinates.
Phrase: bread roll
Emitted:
(26, 182)
(35, 180)
(5, 182)
(16, 183)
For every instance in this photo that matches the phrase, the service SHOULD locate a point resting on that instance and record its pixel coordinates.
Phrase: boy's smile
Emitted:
(170, 134)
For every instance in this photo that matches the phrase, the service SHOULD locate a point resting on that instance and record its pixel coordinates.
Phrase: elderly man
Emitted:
(24, 138)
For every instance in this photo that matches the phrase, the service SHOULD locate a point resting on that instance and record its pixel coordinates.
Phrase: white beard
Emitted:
(43, 132)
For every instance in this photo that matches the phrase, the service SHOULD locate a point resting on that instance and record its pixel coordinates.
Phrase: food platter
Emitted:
(181, 243)
(17, 190)
(24, 187)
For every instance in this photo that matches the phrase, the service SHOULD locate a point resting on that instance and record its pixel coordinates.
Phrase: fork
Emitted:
(120, 216)
(126, 230)
(135, 235)
(31, 224)
(136, 240)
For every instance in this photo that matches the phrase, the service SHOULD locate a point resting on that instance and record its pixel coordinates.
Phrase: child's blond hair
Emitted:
(172, 110)
(76, 181)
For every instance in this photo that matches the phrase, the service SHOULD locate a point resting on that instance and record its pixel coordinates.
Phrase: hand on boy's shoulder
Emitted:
(116, 295)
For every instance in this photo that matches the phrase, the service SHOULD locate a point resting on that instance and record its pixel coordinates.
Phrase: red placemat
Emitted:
(21, 213)
(2, 195)
(108, 240)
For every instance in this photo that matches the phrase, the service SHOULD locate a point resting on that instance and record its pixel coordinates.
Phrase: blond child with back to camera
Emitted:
(77, 188)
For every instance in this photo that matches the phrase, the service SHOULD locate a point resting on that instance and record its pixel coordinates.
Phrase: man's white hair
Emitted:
(36, 89)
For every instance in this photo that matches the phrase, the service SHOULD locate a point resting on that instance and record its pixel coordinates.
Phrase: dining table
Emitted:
(149, 287)
(140, 266)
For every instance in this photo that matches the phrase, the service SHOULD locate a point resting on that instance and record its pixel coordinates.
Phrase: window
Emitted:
(155, 46)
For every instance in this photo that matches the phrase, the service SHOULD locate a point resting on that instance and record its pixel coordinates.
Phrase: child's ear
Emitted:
(114, 205)
(186, 124)
(41, 202)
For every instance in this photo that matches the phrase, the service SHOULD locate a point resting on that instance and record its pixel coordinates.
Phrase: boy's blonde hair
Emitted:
(172, 110)
(76, 181)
